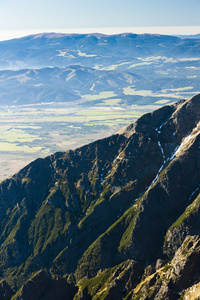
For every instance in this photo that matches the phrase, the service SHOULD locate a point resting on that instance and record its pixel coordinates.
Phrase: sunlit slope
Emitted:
(119, 208)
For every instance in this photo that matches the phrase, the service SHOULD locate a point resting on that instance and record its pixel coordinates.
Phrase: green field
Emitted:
(131, 91)
(112, 102)
(102, 95)
(114, 67)
(28, 132)
(162, 101)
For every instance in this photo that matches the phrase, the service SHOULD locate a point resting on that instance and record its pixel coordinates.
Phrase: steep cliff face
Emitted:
(119, 207)
(42, 286)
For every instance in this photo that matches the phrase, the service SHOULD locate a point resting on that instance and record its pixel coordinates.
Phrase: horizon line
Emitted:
(165, 30)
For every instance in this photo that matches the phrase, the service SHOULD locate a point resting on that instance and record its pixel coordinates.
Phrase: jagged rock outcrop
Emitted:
(177, 275)
(126, 203)
(111, 284)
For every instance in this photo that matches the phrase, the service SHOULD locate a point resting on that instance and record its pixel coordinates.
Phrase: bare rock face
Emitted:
(60, 289)
(41, 286)
(5, 291)
(35, 287)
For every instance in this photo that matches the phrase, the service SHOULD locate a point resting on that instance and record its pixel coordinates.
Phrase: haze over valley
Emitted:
(60, 91)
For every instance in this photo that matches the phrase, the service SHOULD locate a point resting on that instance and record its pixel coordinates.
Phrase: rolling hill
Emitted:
(61, 50)
(138, 69)
(32, 86)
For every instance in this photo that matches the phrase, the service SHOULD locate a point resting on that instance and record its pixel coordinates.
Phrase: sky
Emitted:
(24, 17)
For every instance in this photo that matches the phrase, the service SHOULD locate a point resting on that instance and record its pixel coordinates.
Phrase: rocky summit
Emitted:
(116, 219)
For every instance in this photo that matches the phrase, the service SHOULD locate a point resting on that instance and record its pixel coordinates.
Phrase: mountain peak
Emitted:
(113, 211)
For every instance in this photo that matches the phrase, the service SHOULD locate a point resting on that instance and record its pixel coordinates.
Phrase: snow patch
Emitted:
(85, 55)
(193, 193)
(162, 151)
(39, 84)
(64, 53)
(157, 175)
(194, 133)
(71, 75)
(22, 78)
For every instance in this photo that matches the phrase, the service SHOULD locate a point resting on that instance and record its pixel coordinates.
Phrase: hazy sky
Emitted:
(53, 15)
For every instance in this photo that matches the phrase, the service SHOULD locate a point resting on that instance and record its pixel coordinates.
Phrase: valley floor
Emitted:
(32, 131)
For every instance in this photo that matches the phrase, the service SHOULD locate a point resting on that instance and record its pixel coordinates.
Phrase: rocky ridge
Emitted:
(119, 216)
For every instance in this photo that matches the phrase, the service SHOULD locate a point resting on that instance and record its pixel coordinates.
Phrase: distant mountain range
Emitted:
(118, 217)
(64, 68)
(33, 86)
(193, 37)
(61, 50)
